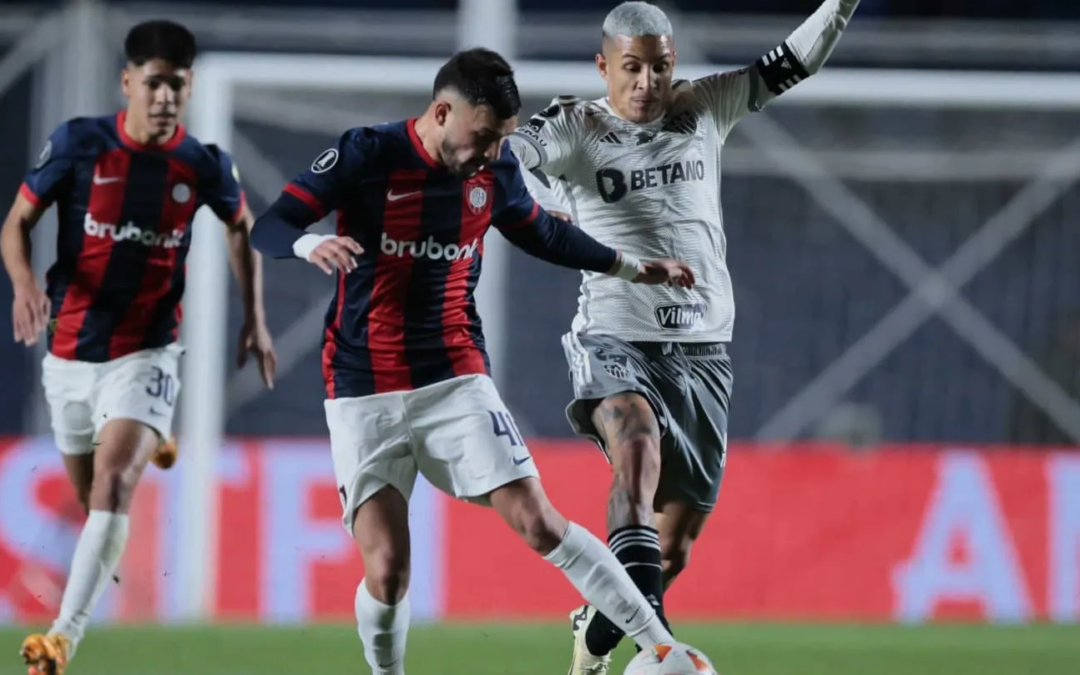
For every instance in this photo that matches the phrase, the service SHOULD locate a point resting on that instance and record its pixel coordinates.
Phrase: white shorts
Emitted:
(457, 433)
(84, 396)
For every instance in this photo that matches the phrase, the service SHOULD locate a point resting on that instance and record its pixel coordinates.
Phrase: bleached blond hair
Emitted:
(636, 19)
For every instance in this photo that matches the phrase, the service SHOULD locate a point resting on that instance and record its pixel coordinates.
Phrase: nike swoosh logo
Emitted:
(98, 180)
(391, 197)
(519, 462)
(633, 615)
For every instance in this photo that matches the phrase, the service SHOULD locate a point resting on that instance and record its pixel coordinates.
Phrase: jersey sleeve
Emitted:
(527, 226)
(54, 169)
(549, 139)
(223, 192)
(514, 205)
(732, 94)
(729, 96)
(323, 186)
(539, 187)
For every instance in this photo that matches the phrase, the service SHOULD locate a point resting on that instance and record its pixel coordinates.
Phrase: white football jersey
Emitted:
(653, 191)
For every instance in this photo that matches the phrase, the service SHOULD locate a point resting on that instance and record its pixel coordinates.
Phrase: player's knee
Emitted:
(526, 509)
(675, 555)
(542, 530)
(83, 494)
(387, 575)
(124, 447)
(112, 489)
(632, 435)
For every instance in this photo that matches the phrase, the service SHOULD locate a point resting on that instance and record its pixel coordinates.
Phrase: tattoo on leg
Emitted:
(624, 416)
(620, 419)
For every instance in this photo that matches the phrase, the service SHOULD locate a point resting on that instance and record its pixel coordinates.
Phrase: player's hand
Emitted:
(336, 254)
(30, 313)
(666, 271)
(255, 339)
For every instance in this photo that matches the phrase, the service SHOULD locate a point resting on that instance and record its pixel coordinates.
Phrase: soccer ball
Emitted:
(670, 659)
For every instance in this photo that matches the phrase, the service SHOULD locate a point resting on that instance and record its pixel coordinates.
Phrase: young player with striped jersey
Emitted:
(408, 386)
(126, 188)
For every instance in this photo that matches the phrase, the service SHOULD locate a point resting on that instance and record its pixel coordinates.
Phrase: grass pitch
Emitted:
(544, 649)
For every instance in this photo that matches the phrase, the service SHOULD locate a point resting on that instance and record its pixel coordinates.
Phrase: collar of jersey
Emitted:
(604, 105)
(130, 142)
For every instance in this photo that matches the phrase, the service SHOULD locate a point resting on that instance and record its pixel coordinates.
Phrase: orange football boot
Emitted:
(46, 654)
(165, 455)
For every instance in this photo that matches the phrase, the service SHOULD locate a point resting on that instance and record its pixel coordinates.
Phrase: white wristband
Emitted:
(629, 267)
(305, 245)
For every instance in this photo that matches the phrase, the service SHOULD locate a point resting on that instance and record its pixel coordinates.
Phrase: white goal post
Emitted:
(205, 325)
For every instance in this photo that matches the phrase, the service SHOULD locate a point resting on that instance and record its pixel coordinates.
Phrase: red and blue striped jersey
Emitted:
(406, 317)
(125, 212)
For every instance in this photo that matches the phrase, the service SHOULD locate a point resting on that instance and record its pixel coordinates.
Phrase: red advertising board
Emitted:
(817, 533)
(800, 533)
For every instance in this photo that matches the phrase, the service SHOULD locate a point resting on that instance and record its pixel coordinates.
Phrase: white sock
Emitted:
(97, 554)
(600, 578)
(383, 630)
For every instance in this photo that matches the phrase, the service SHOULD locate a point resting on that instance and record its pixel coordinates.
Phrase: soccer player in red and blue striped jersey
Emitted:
(126, 188)
(407, 377)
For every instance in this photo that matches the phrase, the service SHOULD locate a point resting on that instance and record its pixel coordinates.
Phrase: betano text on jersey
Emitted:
(653, 189)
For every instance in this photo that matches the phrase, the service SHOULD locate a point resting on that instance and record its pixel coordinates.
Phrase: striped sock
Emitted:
(638, 549)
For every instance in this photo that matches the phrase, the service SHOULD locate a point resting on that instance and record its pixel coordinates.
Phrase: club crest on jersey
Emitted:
(478, 199)
(644, 137)
(615, 365)
(681, 123)
(181, 193)
(325, 161)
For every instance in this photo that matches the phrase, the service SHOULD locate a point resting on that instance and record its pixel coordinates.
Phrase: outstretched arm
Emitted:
(806, 50)
(802, 54)
(561, 243)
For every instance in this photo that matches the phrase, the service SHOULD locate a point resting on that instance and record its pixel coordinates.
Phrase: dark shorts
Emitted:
(689, 388)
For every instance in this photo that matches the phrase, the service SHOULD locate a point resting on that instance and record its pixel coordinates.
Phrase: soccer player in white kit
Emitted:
(640, 169)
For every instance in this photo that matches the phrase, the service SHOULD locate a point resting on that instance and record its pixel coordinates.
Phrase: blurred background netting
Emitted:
(800, 183)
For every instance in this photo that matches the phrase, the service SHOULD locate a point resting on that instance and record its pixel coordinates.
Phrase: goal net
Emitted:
(903, 246)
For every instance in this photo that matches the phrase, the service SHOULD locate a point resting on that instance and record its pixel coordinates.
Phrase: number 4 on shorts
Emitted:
(502, 424)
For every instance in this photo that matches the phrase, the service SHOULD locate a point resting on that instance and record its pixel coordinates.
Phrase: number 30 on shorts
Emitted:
(163, 386)
(502, 424)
